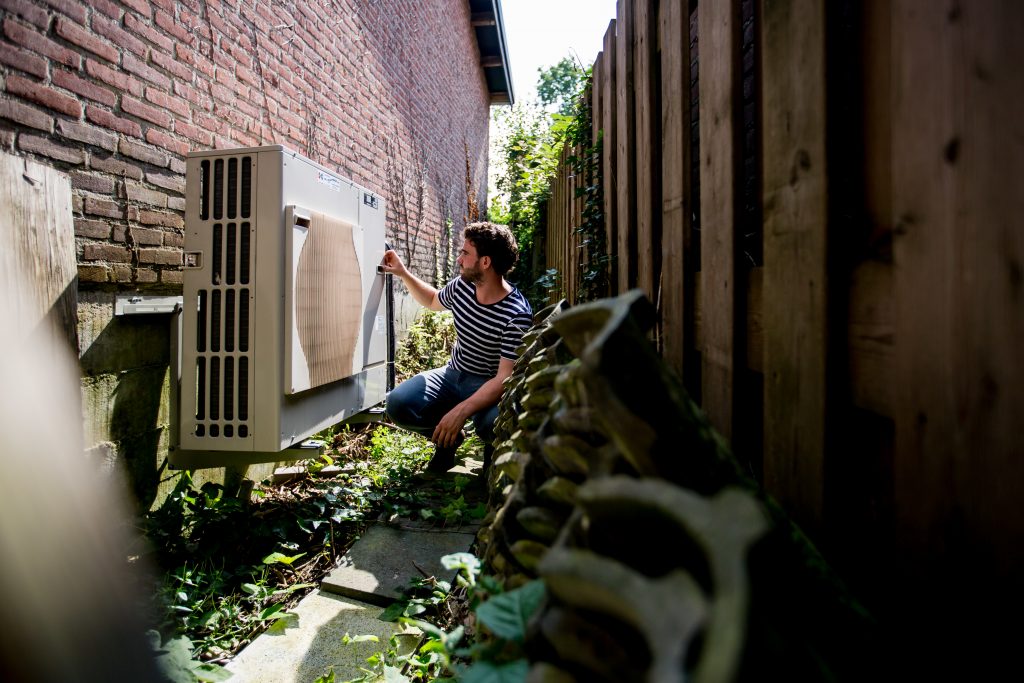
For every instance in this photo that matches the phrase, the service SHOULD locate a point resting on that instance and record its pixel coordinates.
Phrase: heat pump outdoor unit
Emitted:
(283, 328)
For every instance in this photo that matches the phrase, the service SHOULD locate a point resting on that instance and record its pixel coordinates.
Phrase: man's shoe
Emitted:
(444, 456)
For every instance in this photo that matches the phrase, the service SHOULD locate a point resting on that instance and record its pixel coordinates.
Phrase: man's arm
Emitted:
(486, 396)
(424, 294)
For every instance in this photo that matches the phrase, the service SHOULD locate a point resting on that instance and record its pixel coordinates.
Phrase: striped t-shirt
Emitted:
(484, 332)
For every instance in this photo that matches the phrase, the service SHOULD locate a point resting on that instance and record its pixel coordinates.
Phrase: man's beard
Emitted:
(471, 275)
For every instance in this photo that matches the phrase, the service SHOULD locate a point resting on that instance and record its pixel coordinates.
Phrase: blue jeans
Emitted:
(419, 403)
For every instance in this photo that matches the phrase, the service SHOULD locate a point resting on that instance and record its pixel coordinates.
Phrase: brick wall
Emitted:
(390, 94)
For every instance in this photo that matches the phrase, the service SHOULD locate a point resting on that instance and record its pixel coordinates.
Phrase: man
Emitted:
(490, 318)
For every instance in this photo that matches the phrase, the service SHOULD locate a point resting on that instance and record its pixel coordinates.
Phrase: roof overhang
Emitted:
(490, 37)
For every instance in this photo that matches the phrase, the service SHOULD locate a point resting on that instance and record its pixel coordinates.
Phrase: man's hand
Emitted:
(392, 264)
(448, 428)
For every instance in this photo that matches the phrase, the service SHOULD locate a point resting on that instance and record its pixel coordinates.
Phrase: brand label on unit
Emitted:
(329, 180)
(369, 200)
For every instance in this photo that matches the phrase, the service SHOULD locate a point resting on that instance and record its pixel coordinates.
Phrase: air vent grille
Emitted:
(223, 319)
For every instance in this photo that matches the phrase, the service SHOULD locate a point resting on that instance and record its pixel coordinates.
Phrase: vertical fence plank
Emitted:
(675, 169)
(795, 206)
(596, 111)
(609, 155)
(959, 254)
(626, 153)
(720, 71)
(37, 250)
(647, 148)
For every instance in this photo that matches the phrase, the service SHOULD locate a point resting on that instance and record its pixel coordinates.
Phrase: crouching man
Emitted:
(490, 318)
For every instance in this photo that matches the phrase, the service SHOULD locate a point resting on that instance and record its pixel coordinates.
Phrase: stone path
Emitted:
(301, 647)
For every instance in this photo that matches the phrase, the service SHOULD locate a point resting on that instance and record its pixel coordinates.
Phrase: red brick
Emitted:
(75, 10)
(90, 135)
(40, 44)
(49, 148)
(139, 194)
(192, 95)
(140, 6)
(109, 8)
(104, 118)
(23, 61)
(25, 115)
(161, 99)
(72, 32)
(144, 111)
(109, 76)
(176, 203)
(145, 153)
(145, 276)
(169, 5)
(102, 207)
(161, 139)
(122, 273)
(168, 220)
(133, 65)
(69, 81)
(168, 24)
(116, 166)
(171, 276)
(29, 12)
(174, 182)
(113, 253)
(150, 237)
(92, 183)
(166, 257)
(193, 132)
(167, 63)
(118, 36)
(178, 166)
(147, 32)
(93, 273)
(173, 239)
(37, 92)
(85, 227)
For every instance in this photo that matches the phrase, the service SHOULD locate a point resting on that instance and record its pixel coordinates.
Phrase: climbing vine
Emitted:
(529, 140)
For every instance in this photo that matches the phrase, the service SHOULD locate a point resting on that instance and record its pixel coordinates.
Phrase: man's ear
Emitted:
(484, 261)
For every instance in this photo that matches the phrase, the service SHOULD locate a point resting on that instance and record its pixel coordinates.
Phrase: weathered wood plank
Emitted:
(959, 257)
(37, 250)
(795, 216)
(675, 177)
(609, 154)
(625, 151)
(720, 75)
(648, 148)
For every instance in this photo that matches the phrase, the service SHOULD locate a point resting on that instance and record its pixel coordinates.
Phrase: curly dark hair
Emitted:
(496, 241)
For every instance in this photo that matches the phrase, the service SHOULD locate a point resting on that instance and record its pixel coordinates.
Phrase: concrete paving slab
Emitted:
(387, 558)
(300, 648)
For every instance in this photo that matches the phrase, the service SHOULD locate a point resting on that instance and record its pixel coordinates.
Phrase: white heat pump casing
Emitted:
(265, 359)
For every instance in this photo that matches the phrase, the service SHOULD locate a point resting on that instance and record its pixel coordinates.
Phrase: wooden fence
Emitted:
(837, 256)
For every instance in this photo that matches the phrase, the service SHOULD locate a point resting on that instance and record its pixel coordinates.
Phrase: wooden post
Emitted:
(720, 79)
(38, 273)
(795, 223)
(648, 148)
(675, 177)
(626, 152)
(957, 164)
(609, 155)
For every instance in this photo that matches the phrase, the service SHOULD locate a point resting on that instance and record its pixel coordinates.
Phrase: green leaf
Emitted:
(488, 672)
(393, 611)
(272, 612)
(281, 558)
(368, 638)
(211, 673)
(507, 615)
